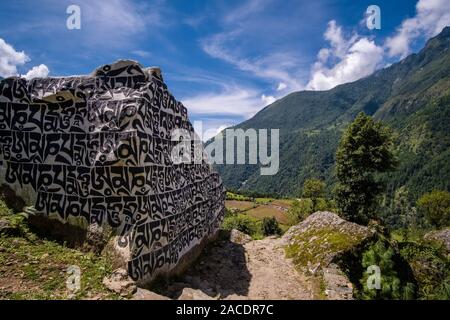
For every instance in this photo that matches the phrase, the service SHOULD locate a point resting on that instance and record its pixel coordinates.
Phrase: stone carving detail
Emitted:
(97, 148)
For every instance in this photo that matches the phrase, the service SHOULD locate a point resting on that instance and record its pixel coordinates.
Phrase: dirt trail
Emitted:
(273, 276)
(255, 270)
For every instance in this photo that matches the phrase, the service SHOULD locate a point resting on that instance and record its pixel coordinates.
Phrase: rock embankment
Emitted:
(320, 243)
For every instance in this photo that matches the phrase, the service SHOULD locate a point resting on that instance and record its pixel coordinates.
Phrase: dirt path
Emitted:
(255, 270)
(273, 276)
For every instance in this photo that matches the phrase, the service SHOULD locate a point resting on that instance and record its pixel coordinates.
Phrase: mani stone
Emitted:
(92, 155)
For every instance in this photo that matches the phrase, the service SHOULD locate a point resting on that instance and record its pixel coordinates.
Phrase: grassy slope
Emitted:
(33, 268)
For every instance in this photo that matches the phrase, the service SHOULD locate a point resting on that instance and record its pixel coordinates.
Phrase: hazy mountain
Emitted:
(412, 96)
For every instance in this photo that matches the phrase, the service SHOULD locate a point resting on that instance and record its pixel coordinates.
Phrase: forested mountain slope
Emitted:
(412, 97)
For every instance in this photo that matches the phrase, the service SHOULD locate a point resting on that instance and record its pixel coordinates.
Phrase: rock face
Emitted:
(95, 152)
(318, 244)
(119, 282)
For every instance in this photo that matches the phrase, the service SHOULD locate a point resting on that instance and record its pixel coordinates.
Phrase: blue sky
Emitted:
(224, 59)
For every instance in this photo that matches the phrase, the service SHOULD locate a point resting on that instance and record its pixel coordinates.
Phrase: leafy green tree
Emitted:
(436, 207)
(269, 226)
(364, 150)
(299, 210)
(313, 189)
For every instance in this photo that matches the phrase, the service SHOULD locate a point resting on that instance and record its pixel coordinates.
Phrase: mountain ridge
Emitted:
(410, 94)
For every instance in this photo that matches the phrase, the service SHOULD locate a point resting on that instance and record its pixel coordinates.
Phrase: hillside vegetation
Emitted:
(412, 97)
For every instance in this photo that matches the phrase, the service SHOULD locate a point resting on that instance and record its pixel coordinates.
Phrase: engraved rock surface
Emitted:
(96, 150)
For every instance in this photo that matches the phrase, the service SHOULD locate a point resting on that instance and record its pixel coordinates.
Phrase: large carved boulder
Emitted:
(94, 153)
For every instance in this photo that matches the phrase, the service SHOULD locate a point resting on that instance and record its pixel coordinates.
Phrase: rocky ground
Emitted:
(233, 267)
(241, 268)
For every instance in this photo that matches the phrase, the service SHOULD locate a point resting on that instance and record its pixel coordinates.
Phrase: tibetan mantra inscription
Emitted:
(97, 149)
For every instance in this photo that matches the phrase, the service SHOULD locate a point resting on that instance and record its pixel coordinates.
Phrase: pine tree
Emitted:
(391, 286)
(365, 149)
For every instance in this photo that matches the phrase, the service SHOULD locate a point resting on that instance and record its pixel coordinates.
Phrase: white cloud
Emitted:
(117, 16)
(10, 59)
(248, 8)
(233, 101)
(431, 17)
(350, 59)
(210, 127)
(268, 99)
(274, 66)
(141, 53)
(240, 36)
(281, 86)
(40, 71)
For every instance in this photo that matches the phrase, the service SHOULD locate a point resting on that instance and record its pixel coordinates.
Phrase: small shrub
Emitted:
(299, 210)
(436, 207)
(269, 226)
(240, 222)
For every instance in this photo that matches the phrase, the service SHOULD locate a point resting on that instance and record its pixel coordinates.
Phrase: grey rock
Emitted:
(337, 285)
(239, 237)
(194, 294)
(120, 283)
(142, 294)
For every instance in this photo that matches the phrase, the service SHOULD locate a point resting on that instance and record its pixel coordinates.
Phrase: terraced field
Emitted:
(261, 208)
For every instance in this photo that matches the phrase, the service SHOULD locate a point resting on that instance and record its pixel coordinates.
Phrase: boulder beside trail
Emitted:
(319, 244)
(239, 237)
(106, 156)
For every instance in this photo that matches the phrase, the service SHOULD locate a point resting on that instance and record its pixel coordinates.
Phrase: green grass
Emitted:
(238, 197)
(264, 200)
(33, 268)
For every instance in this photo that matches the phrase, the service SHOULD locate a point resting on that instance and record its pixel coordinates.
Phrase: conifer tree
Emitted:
(364, 150)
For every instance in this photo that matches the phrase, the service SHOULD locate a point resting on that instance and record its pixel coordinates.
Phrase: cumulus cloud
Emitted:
(268, 99)
(281, 86)
(10, 59)
(346, 59)
(431, 17)
(40, 71)
(232, 101)
(210, 127)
